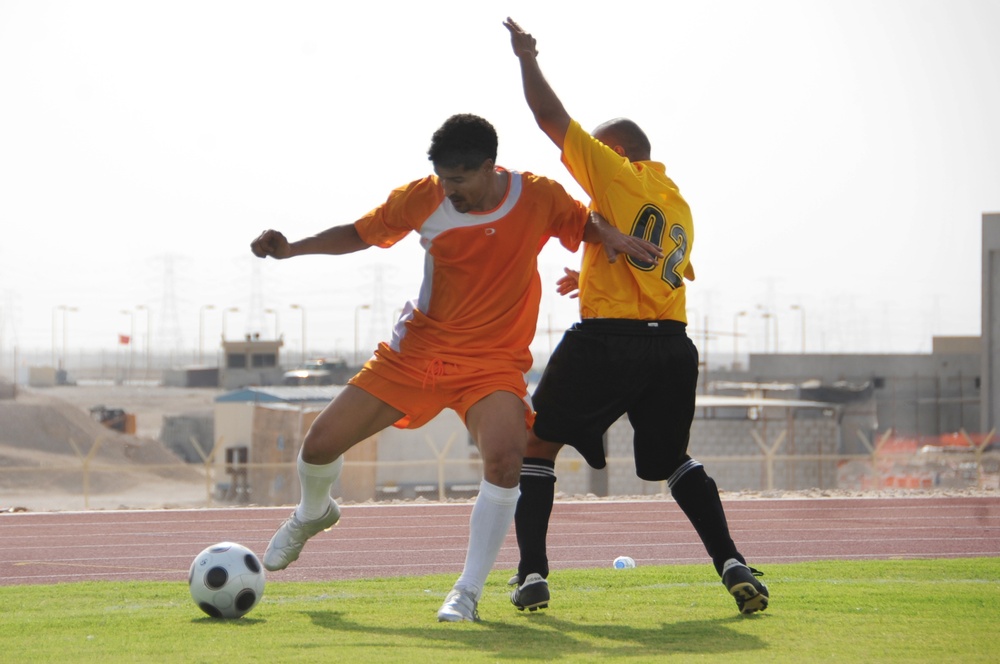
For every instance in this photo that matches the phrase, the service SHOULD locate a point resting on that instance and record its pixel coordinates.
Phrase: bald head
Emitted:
(624, 134)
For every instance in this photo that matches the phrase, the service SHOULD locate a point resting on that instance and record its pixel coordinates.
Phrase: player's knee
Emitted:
(319, 447)
(504, 471)
(541, 449)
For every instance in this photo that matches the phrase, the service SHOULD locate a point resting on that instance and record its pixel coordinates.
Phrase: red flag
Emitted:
(124, 339)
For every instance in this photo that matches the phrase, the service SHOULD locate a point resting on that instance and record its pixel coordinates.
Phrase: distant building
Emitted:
(190, 436)
(251, 362)
(991, 323)
(259, 431)
(914, 394)
(197, 376)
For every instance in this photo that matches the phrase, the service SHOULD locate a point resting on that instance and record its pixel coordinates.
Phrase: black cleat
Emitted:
(533, 594)
(740, 580)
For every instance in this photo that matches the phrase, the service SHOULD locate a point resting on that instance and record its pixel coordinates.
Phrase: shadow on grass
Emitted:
(235, 623)
(545, 637)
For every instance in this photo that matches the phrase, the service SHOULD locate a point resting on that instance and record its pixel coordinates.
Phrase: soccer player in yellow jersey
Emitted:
(629, 354)
(462, 344)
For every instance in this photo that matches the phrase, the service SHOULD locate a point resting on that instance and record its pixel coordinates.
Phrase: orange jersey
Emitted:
(638, 199)
(478, 302)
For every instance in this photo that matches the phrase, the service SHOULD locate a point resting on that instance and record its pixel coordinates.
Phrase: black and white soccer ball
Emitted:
(226, 580)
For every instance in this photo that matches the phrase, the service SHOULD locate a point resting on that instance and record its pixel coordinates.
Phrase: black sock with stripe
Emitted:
(698, 496)
(531, 519)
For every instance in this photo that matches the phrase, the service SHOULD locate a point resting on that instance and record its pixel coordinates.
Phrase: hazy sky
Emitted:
(837, 155)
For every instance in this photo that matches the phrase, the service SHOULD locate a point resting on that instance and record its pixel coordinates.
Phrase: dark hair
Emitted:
(463, 141)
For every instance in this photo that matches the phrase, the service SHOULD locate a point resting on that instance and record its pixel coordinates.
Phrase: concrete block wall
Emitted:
(729, 452)
(573, 475)
(817, 438)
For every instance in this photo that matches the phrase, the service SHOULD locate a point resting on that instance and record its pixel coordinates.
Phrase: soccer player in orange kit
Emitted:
(462, 344)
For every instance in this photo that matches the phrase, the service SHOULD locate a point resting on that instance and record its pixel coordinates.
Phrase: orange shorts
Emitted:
(422, 388)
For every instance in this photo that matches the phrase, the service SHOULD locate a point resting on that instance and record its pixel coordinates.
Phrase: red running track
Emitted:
(374, 541)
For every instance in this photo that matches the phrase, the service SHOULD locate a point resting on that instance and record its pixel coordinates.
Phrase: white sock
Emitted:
(316, 481)
(491, 518)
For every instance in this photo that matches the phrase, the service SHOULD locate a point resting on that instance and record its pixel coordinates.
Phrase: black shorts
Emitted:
(604, 368)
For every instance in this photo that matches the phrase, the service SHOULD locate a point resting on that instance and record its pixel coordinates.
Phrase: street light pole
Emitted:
(736, 336)
(149, 335)
(302, 310)
(54, 310)
(357, 310)
(275, 312)
(131, 342)
(802, 313)
(65, 357)
(224, 316)
(62, 360)
(201, 332)
(767, 316)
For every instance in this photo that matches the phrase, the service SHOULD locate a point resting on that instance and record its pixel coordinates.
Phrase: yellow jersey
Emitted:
(638, 199)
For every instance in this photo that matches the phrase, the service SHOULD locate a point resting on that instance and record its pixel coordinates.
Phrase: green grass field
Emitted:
(884, 611)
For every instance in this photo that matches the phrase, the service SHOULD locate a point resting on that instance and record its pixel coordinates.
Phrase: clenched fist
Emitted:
(270, 243)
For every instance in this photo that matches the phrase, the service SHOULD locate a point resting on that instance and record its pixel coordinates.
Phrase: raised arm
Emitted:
(549, 112)
(337, 240)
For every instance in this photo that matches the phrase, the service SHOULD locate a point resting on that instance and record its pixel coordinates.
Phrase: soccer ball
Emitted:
(226, 580)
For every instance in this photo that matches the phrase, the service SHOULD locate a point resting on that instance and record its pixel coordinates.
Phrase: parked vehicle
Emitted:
(318, 372)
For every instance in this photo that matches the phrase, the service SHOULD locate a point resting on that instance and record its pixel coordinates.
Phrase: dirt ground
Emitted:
(148, 403)
(48, 435)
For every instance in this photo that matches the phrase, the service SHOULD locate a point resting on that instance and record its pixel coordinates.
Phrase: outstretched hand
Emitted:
(270, 243)
(522, 42)
(569, 284)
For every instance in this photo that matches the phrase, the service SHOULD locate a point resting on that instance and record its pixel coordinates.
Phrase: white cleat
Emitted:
(459, 605)
(287, 542)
